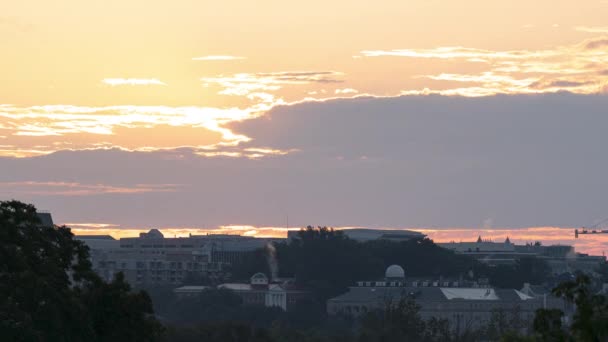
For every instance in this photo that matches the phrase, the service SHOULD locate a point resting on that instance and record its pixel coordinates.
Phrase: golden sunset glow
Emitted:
(211, 63)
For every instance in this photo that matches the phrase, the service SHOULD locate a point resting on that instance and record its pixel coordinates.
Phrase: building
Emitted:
(99, 242)
(463, 306)
(260, 291)
(45, 218)
(366, 234)
(153, 259)
(222, 248)
(561, 258)
(189, 291)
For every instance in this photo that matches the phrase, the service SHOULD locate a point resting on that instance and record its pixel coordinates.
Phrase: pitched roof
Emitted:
(434, 294)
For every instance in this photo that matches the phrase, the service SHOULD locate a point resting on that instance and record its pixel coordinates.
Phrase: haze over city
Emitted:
(319, 171)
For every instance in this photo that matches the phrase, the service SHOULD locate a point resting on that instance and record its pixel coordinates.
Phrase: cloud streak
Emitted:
(592, 29)
(132, 81)
(576, 68)
(263, 85)
(57, 127)
(79, 189)
(218, 58)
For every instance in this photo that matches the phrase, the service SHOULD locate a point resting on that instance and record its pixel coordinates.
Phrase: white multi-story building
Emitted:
(153, 259)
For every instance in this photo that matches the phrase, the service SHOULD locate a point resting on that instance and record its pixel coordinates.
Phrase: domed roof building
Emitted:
(394, 272)
(259, 279)
(465, 304)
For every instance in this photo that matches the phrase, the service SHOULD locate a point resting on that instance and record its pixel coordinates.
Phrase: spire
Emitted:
(479, 240)
(507, 240)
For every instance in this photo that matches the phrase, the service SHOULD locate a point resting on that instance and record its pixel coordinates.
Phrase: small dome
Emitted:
(395, 271)
(259, 279)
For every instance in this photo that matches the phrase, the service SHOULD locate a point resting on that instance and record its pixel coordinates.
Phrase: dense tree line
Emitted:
(49, 292)
(327, 261)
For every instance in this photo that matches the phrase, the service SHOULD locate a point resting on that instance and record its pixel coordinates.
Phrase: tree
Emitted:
(590, 321)
(397, 322)
(218, 332)
(326, 261)
(548, 325)
(49, 292)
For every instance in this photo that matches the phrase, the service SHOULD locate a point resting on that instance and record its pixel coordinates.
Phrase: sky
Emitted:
(252, 116)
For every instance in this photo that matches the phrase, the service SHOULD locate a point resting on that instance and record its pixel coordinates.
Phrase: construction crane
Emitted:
(594, 229)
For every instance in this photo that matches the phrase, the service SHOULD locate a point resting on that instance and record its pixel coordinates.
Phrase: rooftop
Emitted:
(431, 294)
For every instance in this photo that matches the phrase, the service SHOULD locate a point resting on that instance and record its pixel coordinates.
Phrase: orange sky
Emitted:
(144, 75)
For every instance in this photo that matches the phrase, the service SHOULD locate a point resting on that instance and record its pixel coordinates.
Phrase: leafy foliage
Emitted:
(590, 321)
(48, 291)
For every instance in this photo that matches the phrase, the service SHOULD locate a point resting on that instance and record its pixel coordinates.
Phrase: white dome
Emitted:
(395, 271)
(259, 279)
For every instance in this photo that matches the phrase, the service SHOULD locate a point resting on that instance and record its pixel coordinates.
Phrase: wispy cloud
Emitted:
(261, 86)
(576, 68)
(132, 81)
(592, 29)
(82, 127)
(236, 152)
(40, 130)
(346, 91)
(80, 189)
(218, 58)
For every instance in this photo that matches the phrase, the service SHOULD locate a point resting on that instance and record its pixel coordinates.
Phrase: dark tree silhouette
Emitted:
(548, 325)
(590, 321)
(397, 322)
(48, 291)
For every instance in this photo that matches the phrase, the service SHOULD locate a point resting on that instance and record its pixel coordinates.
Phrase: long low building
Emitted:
(561, 258)
(465, 308)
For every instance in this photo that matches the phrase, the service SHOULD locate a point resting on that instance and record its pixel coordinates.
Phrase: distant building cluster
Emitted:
(152, 259)
(466, 303)
(561, 258)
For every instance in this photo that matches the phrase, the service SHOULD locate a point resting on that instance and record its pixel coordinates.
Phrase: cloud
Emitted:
(132, 81)
(597, 43)
(262, 87)
(346, 91)
(592, 29)
(430, 161)
(218, 58)
(79, 189)
(558, 84)
(576, 68)
(130, 127)
(245, 83)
